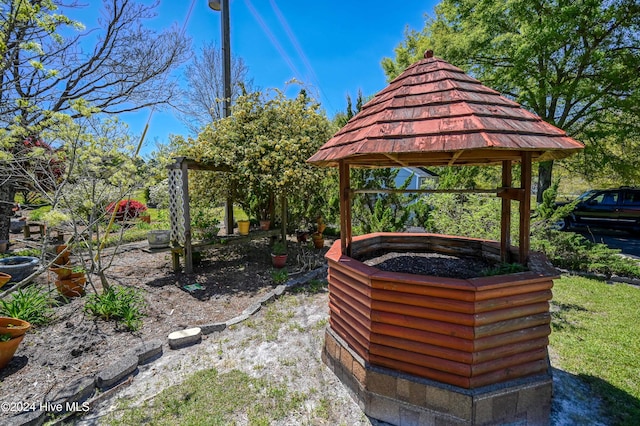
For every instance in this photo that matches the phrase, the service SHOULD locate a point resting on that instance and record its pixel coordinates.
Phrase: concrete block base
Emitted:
(403, 399)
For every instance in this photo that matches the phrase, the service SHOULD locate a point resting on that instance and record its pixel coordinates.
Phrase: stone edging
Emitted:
(80, 395)
(603, 277)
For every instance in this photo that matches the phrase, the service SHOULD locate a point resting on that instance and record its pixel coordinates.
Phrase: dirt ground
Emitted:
(76, 345)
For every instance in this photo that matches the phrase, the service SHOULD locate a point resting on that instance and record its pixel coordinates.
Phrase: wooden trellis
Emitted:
(180, 214)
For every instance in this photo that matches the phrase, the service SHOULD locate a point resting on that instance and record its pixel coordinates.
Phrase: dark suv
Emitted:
(609, 208)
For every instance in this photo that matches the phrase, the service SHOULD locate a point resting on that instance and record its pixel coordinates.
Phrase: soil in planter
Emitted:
(429, 263)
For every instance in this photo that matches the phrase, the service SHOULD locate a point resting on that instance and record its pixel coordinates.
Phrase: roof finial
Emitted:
(428, 54)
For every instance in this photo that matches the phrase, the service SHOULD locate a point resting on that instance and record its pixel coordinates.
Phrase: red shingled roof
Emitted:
(435, 114)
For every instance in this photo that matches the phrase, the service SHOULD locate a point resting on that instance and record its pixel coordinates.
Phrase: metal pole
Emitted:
(226, 78)
(226, 56)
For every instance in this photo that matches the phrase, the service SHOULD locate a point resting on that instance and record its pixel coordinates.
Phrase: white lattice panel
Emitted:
(176, 210)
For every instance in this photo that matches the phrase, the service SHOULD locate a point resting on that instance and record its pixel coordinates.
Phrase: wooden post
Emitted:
(188, 259)
(228, 215)
(505, 218)
(525, 207)
(345, 209)
(283, 213)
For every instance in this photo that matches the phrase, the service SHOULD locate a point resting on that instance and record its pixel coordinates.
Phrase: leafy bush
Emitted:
(572, 251)
(23, 252)
(279, 276)
(122, 304)
(127, 209)
(31, 304)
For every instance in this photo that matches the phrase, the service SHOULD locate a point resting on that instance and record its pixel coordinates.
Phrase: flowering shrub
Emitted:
(127, 209)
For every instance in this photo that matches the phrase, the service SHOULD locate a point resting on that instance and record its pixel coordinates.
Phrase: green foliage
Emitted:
(123, 304)
(5, 337)
(37, 214)
(468, 215)
(379, 212)
(572, 251)
(574, 65)
(23, 252)
(279, 276)
(279, 247)
(504, 268)
(266, 143)
(30, 304)
(204, 222)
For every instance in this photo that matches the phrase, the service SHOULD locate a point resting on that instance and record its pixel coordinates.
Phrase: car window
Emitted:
(605, 198)
(631, 198)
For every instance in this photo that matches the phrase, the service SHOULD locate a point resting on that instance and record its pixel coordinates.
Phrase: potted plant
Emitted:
(12, 332)
(279, 254)
(317, 237)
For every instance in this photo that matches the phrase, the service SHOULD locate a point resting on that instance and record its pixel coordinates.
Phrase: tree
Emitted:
(574, 63)
(205, 92)
(48, 70)
(266, 143)
(375, 212)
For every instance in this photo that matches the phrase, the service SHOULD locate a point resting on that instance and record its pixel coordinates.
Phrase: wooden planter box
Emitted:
(467, 333)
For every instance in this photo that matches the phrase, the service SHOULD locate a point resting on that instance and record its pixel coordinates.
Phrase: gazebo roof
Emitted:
(435, 114)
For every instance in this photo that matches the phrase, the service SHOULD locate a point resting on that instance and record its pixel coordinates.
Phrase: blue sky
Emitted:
(333, 47)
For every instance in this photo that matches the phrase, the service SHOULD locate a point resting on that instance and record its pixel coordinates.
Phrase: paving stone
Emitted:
(213, 327)
(267, 297)
(187, 337)
(252, 309)
(76, 391)
(237, 319)
(148, 351)
(30, 418)
(280, 290)
(117, 371)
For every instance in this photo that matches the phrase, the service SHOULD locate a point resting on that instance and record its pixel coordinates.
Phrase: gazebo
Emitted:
(417, 349)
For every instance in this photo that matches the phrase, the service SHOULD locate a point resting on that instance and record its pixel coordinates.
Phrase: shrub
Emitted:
(279, 276)
(118, 303)
(31, 304)
(127, 209)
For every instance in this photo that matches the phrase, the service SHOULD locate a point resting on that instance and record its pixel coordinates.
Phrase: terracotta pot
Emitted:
(265, 225)
(145, 219)
(318, 243)
(66, 272)
(278, 260)
(73, 287)
(243, 227)
(13, 326)
(4, 278)
(7, 349)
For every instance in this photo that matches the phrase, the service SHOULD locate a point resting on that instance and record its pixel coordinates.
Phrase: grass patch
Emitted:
(211, 398)
(596, 335)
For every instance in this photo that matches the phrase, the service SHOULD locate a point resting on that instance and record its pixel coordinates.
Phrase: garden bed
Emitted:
(76, 345)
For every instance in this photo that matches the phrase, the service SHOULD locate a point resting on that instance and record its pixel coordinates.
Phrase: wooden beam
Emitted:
(505, 218)
(525, 208)
(345, 208)
(283, 214)
(426, 191)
